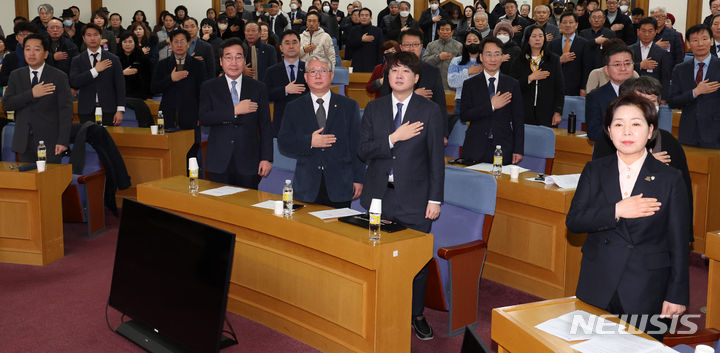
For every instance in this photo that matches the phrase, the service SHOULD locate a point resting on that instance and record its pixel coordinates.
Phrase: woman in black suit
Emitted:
(541, 80)
(634, 210)
(137, 70)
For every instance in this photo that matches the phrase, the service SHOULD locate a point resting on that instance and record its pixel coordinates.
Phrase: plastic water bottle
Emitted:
(497, 161)
(374, 219)
(161, 123)
(42, 151)
(288, 198)
(98, 116)
(193, 174)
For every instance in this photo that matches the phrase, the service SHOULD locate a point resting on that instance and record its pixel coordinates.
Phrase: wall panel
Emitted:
(58, 6)
(126, 9)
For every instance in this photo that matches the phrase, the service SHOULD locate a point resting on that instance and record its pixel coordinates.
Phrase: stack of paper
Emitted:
(487, 167)
(223, 191)
(569, 181)
(335, 213)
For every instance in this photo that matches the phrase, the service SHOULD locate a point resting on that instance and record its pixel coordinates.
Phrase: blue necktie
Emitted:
(35, 80)
(398, 116)
(234, 94)
(292, 72)
(491, 87)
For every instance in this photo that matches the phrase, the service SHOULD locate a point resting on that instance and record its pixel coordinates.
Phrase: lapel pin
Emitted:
(650, 178)
(334, 105)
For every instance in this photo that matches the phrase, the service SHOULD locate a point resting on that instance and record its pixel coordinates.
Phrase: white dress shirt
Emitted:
(326, 102)
(39, 72)
(628, 174)
(95, 73)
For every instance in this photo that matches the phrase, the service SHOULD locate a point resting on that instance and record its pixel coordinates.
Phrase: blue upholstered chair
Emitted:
(573, 104)
(129, 118)
(539, 149)
(6, 142)
(456, 140)
(283, 168)
(684, 348)
(461, 235)
(83, 199)
(665, 117)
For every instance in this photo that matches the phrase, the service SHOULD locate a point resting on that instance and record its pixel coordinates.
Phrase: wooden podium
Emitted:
(31, 228)
(150, 157)
(323, 283)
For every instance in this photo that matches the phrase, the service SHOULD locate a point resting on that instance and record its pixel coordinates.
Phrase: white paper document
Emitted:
(336, 213)
(269, 204)
(625, 343)
(578, 325)
(487, 167)
(223, 191)
(568, 181)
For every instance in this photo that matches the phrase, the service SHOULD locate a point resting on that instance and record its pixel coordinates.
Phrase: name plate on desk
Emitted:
(363, 222)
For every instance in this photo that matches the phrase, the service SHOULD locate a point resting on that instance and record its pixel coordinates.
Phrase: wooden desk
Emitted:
(572, 152)
(322, 283)
(513, 327)
(530, 248)
(150, 157)
(356, 88)
(31, 228)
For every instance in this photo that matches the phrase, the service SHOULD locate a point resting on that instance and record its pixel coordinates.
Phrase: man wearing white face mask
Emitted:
(402, 22)
(429, 20)
(625, 7)
(297, 16)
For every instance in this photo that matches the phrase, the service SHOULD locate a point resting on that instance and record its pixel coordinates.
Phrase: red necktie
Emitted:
(699, 76)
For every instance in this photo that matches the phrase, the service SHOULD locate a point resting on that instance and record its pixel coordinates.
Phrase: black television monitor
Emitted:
(171, 278)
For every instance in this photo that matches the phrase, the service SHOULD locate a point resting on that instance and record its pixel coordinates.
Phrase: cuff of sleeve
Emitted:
(120, 108)
(390, 143)
(94, 72)
(435, 202)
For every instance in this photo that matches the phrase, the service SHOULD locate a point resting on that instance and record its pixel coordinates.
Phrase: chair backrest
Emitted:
(129, 118)
(283, 169)
(456, 139)
(6, 142)
(539, 148)
(574, 104)
(665, 117)
(280, 160)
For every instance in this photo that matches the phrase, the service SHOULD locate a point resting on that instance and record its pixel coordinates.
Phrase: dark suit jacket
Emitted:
(266, 57)
(280, 23)
(488, 128)
(700, 119)
(591, 35)
(365, 55)
(576, 71)
(627, 34)
(204, 49)
(300, 15)
(545, 97)
(179, 102)
(431, 79)
(9, 64)
(65, 44)
(418, 164)
(393, 32)
(596, 103)
(426, 24)
(662, 72)
(246, 139)
(109, 85)
(677, 50)
(276, 79)
(339, 162)
(644, 259)
(48, 117)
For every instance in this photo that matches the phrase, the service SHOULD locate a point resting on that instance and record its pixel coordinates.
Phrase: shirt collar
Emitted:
(238, 80)
(572, 37)
(90, 52)
(706, 61)
(325, 97)
(405, 102)
(616, 88)
(634, 166)
(39, 70)
(488, 76)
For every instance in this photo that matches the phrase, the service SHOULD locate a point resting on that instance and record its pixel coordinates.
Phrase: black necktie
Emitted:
(272, 24)
(94, 61)
(35, 80)
(320, 114)
(398, 116)
(292, 73)
(491, 87)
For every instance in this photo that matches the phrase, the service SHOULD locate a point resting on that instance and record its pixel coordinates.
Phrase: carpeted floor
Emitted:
(61, 307)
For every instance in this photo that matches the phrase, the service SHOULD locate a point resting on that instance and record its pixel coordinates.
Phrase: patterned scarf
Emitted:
(535, 62)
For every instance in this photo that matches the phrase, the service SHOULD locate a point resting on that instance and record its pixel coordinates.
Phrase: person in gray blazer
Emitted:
(40, 96)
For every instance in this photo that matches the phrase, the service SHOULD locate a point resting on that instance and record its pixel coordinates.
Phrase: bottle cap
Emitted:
(41, 142)
(701, 348)
(498, 146)
(376, 206)
(193, 164)
(287, 181)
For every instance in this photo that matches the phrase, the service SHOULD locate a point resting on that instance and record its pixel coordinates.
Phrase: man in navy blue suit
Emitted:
(321, 131)
(575, 55)
(97, 75)
(619, 67)
(694, 89)
(260, 56)
(286, 80)
(235, 107)
(650, 59)
(494, 108)
(401, 140)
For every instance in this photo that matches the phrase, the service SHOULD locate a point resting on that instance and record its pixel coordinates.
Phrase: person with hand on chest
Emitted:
(286, 80)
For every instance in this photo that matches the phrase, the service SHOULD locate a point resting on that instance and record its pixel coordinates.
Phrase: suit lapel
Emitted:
(332, 113)
(610, 181)
(310, 111)
(222, 83)
(646, 178)
(300, 78)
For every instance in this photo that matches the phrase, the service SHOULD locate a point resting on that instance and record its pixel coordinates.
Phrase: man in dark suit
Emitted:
(597, 35)
(339, 15)
(297, 16)
(494, 107)
(97, 75)
(178, 78)
(668, 38)
(62, 48)
(715, 27)
(365, 41)
(513, 17)
(198, 48)
(429, 19)
(575, 55)
(260, 55)
(429, 85)
(619, 23)
(40, 96)
(12, 60)
(619, 67)
(401, 140)
(286, 80)
(276, 20)
(322, 134)
(650, 59)
(694, 89)
(235, 107)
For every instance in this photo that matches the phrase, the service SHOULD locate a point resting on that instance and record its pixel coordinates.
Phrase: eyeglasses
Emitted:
(232, 58)
(317, 72)
(411, 45)
(492, 55)
(623, 64)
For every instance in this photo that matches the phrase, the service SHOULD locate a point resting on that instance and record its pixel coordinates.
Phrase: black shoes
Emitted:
(422, 329)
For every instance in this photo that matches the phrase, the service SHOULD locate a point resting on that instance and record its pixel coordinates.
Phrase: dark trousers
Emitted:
(232, 176)
(30, 154)
(142, 112)
(323, 198)
(390, 203)
(615, 307)
(107, 118)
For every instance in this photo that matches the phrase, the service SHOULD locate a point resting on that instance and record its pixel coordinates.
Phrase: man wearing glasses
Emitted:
(321, 130)
(235, 107)
(11, 61)
(619, 67)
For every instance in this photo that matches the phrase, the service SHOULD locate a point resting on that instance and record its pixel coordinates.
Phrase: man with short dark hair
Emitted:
(163, 35)
(236, 23)
(694, 89)
(12, 60)
(575, 55)
(200, 49)
(401, 141)
(518, 22)
(714, 10)
(650, 59)
(235, 107)
(278, 23)
(584, 20)
(366, 42)
(97, 75)
(597, 35)
(636, 15)
(429, 19)
(440, 51)
(715, 28)
(40, 96)
(285, 80)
